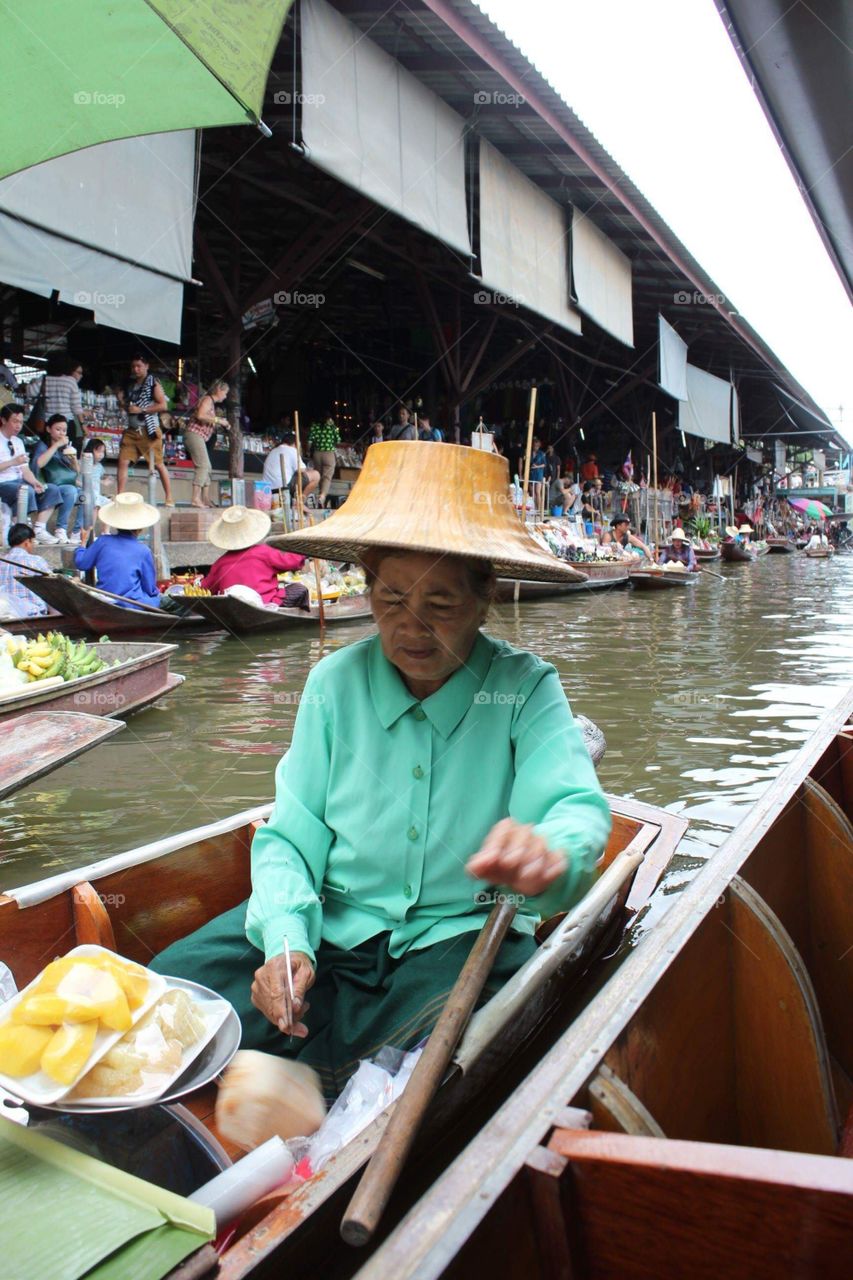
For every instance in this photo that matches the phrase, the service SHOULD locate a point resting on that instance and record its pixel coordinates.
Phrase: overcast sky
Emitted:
(659, 84)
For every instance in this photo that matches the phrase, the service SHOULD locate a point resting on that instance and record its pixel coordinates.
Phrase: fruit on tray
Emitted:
(67, 1051)
(149, 1054)
(48, 656)
(21, 1048)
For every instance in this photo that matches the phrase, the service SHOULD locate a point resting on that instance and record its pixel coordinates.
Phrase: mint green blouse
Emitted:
(382, 799)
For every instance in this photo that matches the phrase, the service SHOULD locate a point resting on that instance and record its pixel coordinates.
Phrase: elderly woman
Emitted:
(429, 763)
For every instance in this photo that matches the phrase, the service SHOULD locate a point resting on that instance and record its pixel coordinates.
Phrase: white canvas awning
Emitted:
(707, 411)
(672, 361)
(524, 238)
(601, 274)
(110, 228)
(372, 124)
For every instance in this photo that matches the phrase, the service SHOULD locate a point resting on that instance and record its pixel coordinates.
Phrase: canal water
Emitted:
(703, 695)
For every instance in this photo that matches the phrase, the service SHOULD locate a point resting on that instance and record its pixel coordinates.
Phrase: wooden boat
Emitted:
(715, 1068)
(706, 553)
(735, 553)
(661, 579)
(165, 890)
(45, 740)
(780, 546)
(50, 621)
(819, 553)
(95, 614)
(240, 618)
(141, 677)
(597, 575)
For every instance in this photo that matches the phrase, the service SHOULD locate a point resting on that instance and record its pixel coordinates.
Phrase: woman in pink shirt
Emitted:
(249, 562)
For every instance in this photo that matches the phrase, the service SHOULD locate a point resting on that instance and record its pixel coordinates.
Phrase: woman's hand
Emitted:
(269, 991)
(513, 855)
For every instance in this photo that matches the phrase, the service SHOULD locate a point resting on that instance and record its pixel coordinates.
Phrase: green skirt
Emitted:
(362, 999)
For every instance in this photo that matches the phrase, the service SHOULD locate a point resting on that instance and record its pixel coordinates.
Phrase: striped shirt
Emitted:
(142, 393)
(62, 395)
(22, 602)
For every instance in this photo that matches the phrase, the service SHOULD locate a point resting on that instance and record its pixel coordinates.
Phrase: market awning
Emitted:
(109, 228)
(601, 275)
(79, 74)
(708, 409)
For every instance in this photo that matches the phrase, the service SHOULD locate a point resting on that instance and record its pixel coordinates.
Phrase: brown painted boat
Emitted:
(96, 615)
(661, 579)
(140, 902)
(780, 546)
(596, 576)
(230, 614)
(45, 740)
(736, 554)
(141, 677)
(706, 553)
(819, 553)
(691, 1122)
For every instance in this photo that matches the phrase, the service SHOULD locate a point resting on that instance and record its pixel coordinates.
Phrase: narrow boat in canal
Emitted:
(819, 553)
(736, 553)
(139, 902)
(593, 575)
(139, 677)
(229, 613)
(780, 546)
(706, 553)
(658, 579)
(693, 1121)
(46, 740)
(96, 614)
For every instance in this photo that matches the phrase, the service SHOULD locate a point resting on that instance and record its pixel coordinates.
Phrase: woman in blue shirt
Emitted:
(124, 565)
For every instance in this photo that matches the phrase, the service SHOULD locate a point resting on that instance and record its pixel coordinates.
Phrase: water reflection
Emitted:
(703, 696)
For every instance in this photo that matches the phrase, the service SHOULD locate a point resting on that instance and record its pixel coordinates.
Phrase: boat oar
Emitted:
(714, 574)
(379, 1178)
(40, 573)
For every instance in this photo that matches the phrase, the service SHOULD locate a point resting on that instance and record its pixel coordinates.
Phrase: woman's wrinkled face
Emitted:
(428, 617)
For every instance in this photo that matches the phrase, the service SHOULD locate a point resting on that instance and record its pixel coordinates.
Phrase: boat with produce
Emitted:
(662, 577)
(230, 613)
(93, 612)
(780, 546)
(738, 553)
(819, 553)
(706, 553)
(57, 673)
(707, 1090)
(139, 902)
(596, 575)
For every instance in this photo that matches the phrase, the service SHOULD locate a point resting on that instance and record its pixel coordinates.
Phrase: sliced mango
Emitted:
(49, 1009)
(21, 1048)
(131, 977)
(65, 1055)
(109, 1003)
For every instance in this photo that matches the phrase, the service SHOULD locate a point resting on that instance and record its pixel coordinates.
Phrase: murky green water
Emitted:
(703, 695)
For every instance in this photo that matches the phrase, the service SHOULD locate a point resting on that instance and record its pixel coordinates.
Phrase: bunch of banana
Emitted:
(191, 590)
(39, 659)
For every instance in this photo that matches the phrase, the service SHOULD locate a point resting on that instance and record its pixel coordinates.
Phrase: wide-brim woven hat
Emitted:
(450, 500)
(746, 528)
(238, 528)
(128, 511)
(732, 530)
(678, 533)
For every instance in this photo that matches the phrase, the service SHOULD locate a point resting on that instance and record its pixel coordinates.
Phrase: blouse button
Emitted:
(412, 833)
(417, 772)
(407, 891)
(419, 713)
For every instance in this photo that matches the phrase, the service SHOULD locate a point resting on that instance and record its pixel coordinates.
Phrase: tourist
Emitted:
(124, 565)
(98, 450)
(377, 435)
(589, 469)
(552, 464)
(323, 438)
(679, 551)
(18, 601)
(144, 400)
(587, 511)
(620, 535)
(537, 472)
(249, 562)
(282, 466)
(571, 493)
(15, 473)
(402, 428)
(382, 889)
(55, 462)
(62, 396)
(435, 433)
(200, 428)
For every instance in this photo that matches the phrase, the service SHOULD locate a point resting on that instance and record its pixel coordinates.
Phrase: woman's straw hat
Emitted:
(238, 528)
(732, 530)
(678, 533)
(128, 511)
(418, 496)
(746, 528)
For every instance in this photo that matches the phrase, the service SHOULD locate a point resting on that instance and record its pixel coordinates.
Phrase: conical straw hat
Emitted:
(128, 511)
(238, 528)
(418, 496)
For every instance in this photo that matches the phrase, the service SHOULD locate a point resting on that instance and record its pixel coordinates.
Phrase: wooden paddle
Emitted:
(380, 1177)
(40, 573)
(714, 574)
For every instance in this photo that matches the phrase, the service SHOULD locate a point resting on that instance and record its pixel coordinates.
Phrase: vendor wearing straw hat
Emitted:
(249, 562)
(124, 566)
(429, 763)
(679, 551)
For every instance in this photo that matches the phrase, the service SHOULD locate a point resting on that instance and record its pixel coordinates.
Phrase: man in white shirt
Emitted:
(283, 456)
(15, 472)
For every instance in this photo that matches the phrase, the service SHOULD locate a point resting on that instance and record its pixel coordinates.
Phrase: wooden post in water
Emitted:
(655, 457)
(531, 417)
(317, 575)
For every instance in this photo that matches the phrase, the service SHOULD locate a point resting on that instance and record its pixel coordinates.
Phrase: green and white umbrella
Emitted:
(79, 72)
